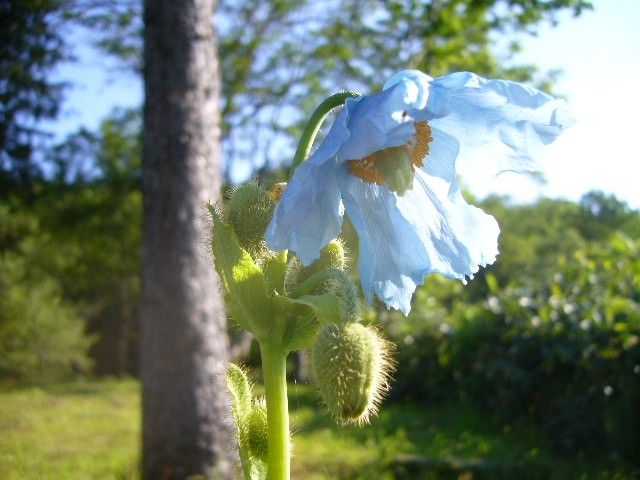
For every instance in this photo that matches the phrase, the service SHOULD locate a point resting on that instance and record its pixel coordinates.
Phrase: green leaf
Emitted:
(242, 278)
(326, 307)
(492, 283)
(302, 331)
(236, 313)
(308, 313)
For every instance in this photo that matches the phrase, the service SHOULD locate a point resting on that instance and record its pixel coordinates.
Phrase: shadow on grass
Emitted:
(452, 441)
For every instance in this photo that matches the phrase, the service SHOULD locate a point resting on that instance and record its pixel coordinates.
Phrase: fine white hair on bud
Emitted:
(352, 366)
(332, 256)
(256, 430)
(249, 213)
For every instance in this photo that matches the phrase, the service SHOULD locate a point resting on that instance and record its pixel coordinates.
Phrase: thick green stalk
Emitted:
(274, 370)
(314, 123)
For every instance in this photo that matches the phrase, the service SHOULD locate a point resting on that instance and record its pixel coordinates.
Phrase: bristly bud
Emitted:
(352, 366)
(293, 274)
(332, 256)
(256, 430)
(249, 213)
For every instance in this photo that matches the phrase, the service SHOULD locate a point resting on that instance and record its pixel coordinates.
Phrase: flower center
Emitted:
(395, 166)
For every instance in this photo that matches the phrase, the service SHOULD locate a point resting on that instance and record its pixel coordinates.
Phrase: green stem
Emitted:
(314, 281)
(274, 370)
(314, 123)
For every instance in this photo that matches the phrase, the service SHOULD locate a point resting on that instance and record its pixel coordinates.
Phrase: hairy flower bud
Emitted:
(249, 213)
(332, 256)
(351, 363)
(256, 430)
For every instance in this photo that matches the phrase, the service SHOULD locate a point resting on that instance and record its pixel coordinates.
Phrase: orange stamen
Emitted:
(418, 145)
(365, 169)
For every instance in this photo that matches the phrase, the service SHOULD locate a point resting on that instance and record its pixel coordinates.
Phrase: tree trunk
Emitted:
(186, 425)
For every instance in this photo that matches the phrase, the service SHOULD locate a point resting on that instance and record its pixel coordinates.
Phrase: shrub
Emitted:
(41, 336)
(565, 355)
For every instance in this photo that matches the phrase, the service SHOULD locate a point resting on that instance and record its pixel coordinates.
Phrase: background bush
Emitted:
(41, 335)
(565, 354)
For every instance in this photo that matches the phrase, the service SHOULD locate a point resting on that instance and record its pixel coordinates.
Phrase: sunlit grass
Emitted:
(87, 430)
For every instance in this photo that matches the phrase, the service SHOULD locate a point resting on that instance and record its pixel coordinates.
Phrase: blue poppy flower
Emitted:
(389, 163)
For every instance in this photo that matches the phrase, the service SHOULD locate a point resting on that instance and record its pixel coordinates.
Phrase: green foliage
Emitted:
(564, 352)
(275, 298)
(602, 214)
(87, 226)
(332, 256)
(31, 45)
(240, 388)
(41, 335)
(257, 431)
(94, 221)
(533, 237)
(242, 278)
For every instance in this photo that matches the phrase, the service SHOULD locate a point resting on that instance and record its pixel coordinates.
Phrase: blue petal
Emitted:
(418, 84)
(391, 259)
(496, 120)
(429, 229)
(381, 120)
(458, 237)
(309, 214)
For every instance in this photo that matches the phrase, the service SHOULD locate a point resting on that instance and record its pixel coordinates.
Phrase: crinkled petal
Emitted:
(415, 81)
(381, 120)
(459, 238)
(496, 121)
(391, 258)
(309, 214)
(429, 229)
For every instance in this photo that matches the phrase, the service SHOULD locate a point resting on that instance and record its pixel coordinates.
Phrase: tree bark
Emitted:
(186, 423)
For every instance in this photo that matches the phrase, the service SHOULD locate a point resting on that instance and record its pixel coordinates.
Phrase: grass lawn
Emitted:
(90, 430)
(83, 430)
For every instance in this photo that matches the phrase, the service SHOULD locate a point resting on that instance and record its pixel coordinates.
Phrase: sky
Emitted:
(599, 54)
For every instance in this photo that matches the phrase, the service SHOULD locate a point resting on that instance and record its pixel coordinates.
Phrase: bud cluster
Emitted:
(295, 306)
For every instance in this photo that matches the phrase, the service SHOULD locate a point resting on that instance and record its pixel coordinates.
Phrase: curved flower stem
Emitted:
(274, 370)
(315, 280)
(314, 123)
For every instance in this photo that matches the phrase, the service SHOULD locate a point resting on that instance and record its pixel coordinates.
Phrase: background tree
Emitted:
(185, 427)
(41, 332)
(96, 224)
(280, 58)
(31, 45)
